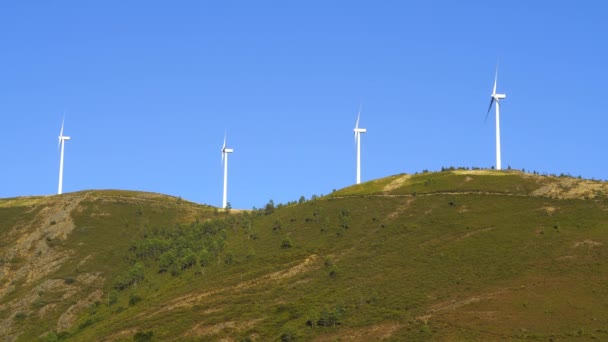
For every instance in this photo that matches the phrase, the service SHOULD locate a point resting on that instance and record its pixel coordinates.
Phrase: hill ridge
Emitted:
(424, 257)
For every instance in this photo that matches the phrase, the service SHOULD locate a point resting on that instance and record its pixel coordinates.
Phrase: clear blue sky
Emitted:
(149, 87)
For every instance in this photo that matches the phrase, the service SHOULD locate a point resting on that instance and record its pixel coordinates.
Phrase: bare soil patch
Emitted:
(68, 318)
(364, 334)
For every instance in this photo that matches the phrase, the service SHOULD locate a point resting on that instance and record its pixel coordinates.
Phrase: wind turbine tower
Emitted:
(62, 139)
(496, 99)
(225, 152)
(358, 131)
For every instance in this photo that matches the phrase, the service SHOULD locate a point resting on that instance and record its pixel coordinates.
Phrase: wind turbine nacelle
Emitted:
(360, 130)
(64, 138)
(228, 150)
(500, 96)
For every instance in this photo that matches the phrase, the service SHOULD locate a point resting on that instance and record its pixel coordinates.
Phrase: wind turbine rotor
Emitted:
(60, 134)
(494, 97)
(224, 148)
(356, 130)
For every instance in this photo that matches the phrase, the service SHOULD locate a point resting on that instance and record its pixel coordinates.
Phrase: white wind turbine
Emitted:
(62, 139)
(225, 152)
(496, 98)
(358, 132)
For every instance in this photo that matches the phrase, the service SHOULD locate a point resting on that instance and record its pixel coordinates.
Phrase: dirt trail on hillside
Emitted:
(453, 305)
(202, 329)
(439, 193)
(376, 332)
(309, 263)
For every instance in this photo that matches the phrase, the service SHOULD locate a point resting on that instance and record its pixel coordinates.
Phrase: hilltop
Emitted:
(454, 255)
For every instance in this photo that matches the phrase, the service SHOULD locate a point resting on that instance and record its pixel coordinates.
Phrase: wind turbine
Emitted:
(496, 98)
(225, 152)
(358, 132)
(62, 139)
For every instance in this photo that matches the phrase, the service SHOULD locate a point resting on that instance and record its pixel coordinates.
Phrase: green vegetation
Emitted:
(184, 247)
(453, 255)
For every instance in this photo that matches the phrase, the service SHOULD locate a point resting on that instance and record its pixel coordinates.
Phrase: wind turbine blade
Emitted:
(495, 80)
(357, 124)
(224, 148)
(490, 107)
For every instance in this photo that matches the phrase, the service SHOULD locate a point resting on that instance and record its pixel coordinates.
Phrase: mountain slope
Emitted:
(58, 252)
(458, 255)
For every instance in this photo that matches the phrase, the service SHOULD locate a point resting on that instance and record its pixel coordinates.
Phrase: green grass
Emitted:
(435, 256)
(485, 181)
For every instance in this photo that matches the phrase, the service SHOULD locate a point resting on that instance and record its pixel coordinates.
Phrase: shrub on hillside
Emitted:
(141, 336)
(269, 208)
(132, 276)
(286, 243)
(134, 299)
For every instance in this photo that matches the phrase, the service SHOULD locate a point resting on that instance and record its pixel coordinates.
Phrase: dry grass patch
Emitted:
(588, 243)
(372, 333)
(401, 209)
(478, 231)
(549, 210)
(565, 188)
(204, 329)
(121, 335)
(297, 269)
(456, 304)
(23, 201)
(398, 182)
(480, 172)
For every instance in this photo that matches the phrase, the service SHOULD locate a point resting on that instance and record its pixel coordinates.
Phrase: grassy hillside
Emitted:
(458, 255)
